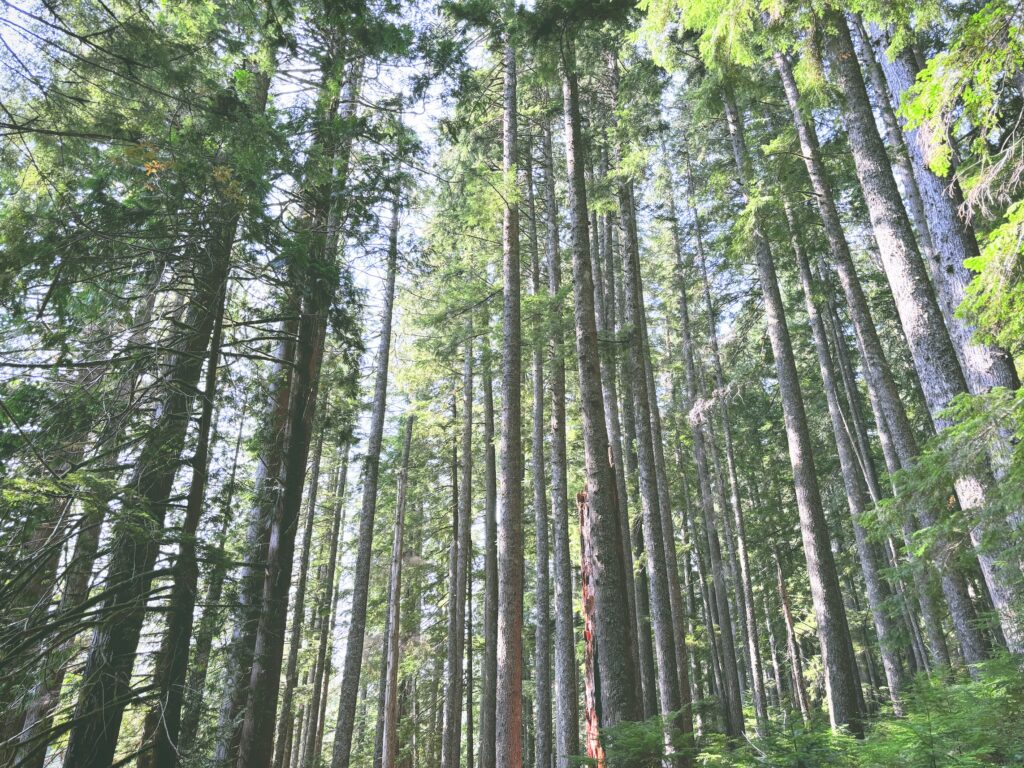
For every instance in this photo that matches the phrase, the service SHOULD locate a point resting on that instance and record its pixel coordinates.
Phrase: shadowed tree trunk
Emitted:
(856, 493)
(615, 667)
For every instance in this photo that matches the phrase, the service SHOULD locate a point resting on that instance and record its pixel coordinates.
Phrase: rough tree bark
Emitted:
(841, 679)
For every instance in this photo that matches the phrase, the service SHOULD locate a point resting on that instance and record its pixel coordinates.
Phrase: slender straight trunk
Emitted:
(645, 643)
(604, 313)
(265, 495)
(324, 610)
(615, 666)
(371, 471)
(28, 730)
(566, 742)
(953, 239)
(542, 589)
(389, 752)
(458, 569)
(746, 592)
(796, 667)
(509, 699)
(291, 675)
(731, 700)
(856, 493)
(773, 650)
(920, 315)
(652, 509)
(488, 689)
(106, 687)
(317, 290)
(469, 649)
(891, 415)
(841, 678)
(279, 474)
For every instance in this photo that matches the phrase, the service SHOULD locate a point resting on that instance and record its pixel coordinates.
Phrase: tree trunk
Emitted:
(732, 703)
(891, 415)
(657, 576)
(488, 688)
(371, 471)
(566, 743)
(509, 699)
(291, 675)
(325, 603)
(617, 673)
(389, 751)
(953, 239)
(856, 493)
(106, 687)
(841, 678)
(542, 589)
(934, 355)
(796, 667)
(458, 570)
(746, 593)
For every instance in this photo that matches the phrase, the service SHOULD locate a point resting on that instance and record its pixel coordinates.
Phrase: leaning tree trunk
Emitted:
(349, 695)
(612, 635)
(891, 414)
(841, 680)
(934, 355)
(856, 493)
(106, 687)
(566, 742)
(953, 238)
(161, 728)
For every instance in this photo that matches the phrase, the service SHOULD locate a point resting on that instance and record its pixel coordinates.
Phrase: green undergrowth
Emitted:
(946, 724)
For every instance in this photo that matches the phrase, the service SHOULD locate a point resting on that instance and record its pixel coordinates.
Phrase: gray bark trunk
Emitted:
(615, 665)
(933, 352)
(566, 745)
(841, 679)
(348, 698)
(389, 749)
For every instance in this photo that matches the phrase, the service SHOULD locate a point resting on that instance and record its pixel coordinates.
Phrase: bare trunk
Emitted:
(389, 751)
(371, 470)
(933, 352)
(291, 675)
(325, 609)
(841, 679)
(856, 493)
(566, 742)
(509, 700)
(612, 634)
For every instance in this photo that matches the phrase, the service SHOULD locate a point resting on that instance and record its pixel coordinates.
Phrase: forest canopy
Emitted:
(497, 384)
